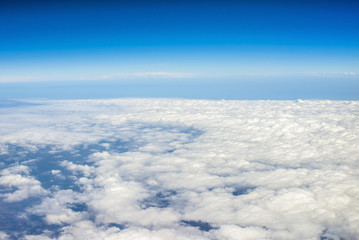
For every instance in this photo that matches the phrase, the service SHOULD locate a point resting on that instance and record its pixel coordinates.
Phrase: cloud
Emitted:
(110, 76)
(88, 230)
(242, 233)
(168, 75)
(56, 172)
(301, 74)
(9, 79)
(4, 236)
(3, 150)
(140, 75)
(335, 74)
(25, 186)
(60, 208)
(191, 169)
(75, 168)
(350, 74)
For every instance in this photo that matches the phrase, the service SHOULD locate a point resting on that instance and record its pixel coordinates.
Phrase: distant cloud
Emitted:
(302, 74)
(8, 79)
(351, 74)
(169, 75)
(335, 74)
(137, 75)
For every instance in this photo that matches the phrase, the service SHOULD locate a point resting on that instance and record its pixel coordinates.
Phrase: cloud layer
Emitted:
(184, 169)
(109, 76)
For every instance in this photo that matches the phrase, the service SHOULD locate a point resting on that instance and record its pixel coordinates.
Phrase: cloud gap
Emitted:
(159, 200)
(326, 235)
(78, 207)
(243, 190)
(203, 226)
(116, 225)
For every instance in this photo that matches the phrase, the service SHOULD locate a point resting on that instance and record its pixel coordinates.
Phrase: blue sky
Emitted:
(182, 42)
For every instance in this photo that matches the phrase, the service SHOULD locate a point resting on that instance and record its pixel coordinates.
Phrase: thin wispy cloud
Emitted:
(303, 75)
(168, 75)
(138, 75)
(115, 76)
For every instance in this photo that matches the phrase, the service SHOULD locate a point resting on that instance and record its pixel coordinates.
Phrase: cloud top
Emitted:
(186, 169)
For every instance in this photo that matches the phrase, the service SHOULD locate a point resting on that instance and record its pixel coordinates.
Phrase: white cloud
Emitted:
(335, 74)
(25, 186)
(56, 209)
(75, 168)
(57, 174)
(243, 233)
(351, 74)
(4, 236)
(3, 150)
(195, 169)
(140, 75)
(288, 75)
(87, 230)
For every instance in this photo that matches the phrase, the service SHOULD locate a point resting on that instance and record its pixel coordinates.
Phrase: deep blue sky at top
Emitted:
(121, 40)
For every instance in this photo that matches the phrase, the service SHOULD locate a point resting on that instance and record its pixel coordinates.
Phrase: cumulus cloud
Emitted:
(25, 186)
(63, 207)
(76, 168)
(4, 236)
(88, 230)
(193, 169)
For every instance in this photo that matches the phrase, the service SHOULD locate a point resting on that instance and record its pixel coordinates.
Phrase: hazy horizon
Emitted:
(179, 120)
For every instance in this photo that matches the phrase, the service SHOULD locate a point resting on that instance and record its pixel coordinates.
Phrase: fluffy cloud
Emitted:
(4, 236)
(193, 169)
(25, 186)
(61, 208)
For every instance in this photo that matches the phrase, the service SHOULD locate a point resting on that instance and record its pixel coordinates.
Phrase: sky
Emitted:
(174, 45)
(117, 119)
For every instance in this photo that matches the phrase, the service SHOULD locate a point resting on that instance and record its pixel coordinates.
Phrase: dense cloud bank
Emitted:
(181, 169)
